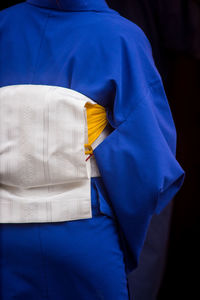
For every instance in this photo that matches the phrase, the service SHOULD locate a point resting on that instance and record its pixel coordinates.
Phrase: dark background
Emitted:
(173, 29)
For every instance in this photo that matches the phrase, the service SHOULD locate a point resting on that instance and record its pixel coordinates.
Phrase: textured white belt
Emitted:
(44, 176)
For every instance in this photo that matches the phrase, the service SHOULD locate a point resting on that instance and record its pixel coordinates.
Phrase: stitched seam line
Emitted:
(40, 47)
(44, 267)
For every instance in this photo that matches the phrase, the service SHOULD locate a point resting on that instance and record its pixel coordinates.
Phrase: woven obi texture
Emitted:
(44, 167)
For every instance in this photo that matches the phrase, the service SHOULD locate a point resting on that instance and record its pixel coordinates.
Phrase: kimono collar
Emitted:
(72, 5)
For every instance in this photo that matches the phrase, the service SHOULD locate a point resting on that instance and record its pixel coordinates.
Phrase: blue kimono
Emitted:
(90, 48)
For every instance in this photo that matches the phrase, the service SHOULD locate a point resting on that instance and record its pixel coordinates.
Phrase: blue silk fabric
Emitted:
(90, 48)
(73, 260)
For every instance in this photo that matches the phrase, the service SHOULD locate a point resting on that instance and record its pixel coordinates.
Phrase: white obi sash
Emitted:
(44, 175)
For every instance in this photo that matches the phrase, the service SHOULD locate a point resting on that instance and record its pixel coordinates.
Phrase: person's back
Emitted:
(54, 52)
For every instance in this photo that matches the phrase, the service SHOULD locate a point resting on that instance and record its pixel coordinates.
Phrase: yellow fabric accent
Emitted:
(96, 122)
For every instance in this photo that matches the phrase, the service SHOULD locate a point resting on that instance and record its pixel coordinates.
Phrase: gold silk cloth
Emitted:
(96, 122)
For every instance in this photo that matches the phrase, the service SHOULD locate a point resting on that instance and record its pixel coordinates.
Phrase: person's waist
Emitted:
(46, 148)
(47, 135)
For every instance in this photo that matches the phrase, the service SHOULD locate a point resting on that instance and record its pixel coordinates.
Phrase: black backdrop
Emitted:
(173, 28)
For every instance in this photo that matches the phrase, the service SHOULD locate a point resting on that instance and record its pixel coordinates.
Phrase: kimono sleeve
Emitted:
(137, 161)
